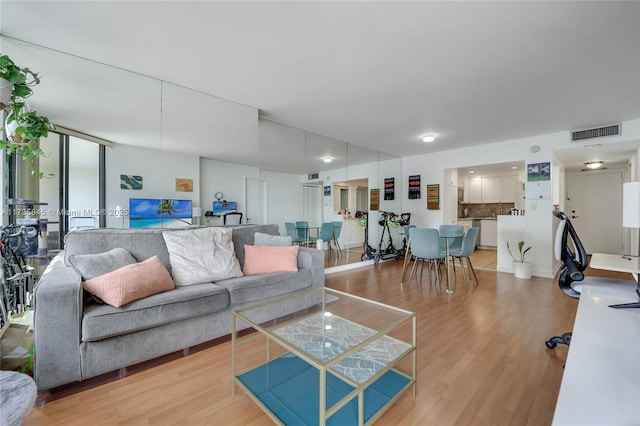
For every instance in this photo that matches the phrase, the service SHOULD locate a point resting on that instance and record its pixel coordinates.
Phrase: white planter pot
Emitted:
(5, 92)
(522, 270)
(11, 127)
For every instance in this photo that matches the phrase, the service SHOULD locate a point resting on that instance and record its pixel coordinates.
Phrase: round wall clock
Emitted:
(218, 196)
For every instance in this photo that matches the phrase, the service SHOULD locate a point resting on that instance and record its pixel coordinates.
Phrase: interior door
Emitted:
(255, 201)
(312, 204)
(594, 203)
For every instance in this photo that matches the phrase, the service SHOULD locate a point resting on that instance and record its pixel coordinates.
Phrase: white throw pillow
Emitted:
(201, 255)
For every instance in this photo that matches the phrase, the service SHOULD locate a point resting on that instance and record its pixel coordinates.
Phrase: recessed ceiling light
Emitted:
(327, 159)
(594, 164)
(428, 138)
(471, 171)
(514, 167)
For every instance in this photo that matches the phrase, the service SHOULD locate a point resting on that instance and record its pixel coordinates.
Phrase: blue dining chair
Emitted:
(302, 228)
(292, 232)
(337, 229)
(326, 234)
(406, 246)
(454, 243)
(466, 249)
(425, 247)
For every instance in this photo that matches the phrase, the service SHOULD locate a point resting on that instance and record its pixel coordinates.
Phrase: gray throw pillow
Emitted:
(202, 255)
(90, 266)
(262, 239)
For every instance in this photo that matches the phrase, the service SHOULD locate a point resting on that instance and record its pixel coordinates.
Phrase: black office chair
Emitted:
(232, 218)
(569, 250)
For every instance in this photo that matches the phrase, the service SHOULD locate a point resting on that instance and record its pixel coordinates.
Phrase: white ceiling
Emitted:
(373, 74)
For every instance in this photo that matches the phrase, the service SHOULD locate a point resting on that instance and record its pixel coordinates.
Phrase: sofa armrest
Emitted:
(57, 322)
(312, 259)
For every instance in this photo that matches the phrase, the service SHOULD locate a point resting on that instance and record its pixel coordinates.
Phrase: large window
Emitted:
(71, 186)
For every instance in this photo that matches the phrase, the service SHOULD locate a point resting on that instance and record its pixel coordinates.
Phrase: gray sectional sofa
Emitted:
(76, 339)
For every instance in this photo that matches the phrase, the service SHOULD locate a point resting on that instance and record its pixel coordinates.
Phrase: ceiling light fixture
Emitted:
(428, 138)
(594, 164)
(472, 171)
(327, 159)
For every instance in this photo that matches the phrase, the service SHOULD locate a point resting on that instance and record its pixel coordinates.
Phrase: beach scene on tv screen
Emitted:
(159, 213)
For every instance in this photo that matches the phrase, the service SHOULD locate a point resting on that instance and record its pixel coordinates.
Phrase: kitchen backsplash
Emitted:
(483, 209)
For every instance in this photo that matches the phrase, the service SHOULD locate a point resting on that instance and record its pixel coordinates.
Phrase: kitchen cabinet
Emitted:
(488, 233)
(473, 190)
(468, 223)
(491, 190)
(511, 189)
(503, 189)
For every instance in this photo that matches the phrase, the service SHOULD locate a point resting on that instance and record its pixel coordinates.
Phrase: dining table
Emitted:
(448, 234)
(306, 231)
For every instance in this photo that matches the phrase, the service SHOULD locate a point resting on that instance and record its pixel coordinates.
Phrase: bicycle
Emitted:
(16, 276)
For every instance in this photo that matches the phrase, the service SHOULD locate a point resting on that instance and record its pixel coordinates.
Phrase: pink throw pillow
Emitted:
(131, 282)
(269, 259)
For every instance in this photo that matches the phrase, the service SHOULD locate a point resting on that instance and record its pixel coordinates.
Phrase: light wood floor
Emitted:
(481, 361)
(481, 258)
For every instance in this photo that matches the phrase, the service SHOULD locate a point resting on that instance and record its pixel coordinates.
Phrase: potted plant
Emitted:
(521, 268)
(23, 127)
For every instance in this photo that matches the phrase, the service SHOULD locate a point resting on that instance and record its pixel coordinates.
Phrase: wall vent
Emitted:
(313, 176)
(597, 132)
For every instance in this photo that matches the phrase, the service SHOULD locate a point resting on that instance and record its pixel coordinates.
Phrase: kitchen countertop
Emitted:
(478, 218)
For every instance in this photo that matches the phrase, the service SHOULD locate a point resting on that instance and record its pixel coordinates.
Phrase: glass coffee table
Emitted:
(344, 361)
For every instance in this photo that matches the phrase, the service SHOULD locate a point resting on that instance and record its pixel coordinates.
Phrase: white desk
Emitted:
(616, 262)
(601, 380)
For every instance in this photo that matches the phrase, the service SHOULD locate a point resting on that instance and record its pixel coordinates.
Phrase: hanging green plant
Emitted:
(19, 79)
(23, 127)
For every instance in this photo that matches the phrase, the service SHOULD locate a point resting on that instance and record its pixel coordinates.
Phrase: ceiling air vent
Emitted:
(313, 176)
(597, 132)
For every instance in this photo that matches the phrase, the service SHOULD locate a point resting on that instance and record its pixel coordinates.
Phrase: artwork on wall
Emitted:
(433, 196)
(184, 185)
(538, 172)
(131, 182)
(414, 187)
(375, 199)
(389, 188)
(159, 213)
(327, 191)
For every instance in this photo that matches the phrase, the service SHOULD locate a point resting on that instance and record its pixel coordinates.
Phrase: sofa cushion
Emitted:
(131, 282)
(92, 265)
(202, 255)
(144, 243)
(270, 259)
(262, 239)
(104, 321)
(252, 288)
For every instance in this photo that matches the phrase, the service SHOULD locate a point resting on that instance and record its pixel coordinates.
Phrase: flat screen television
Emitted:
(222, 207)
(159, 213)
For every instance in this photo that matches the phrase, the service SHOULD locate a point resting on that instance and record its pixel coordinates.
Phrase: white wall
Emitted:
(284, 198)
(158, 169)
